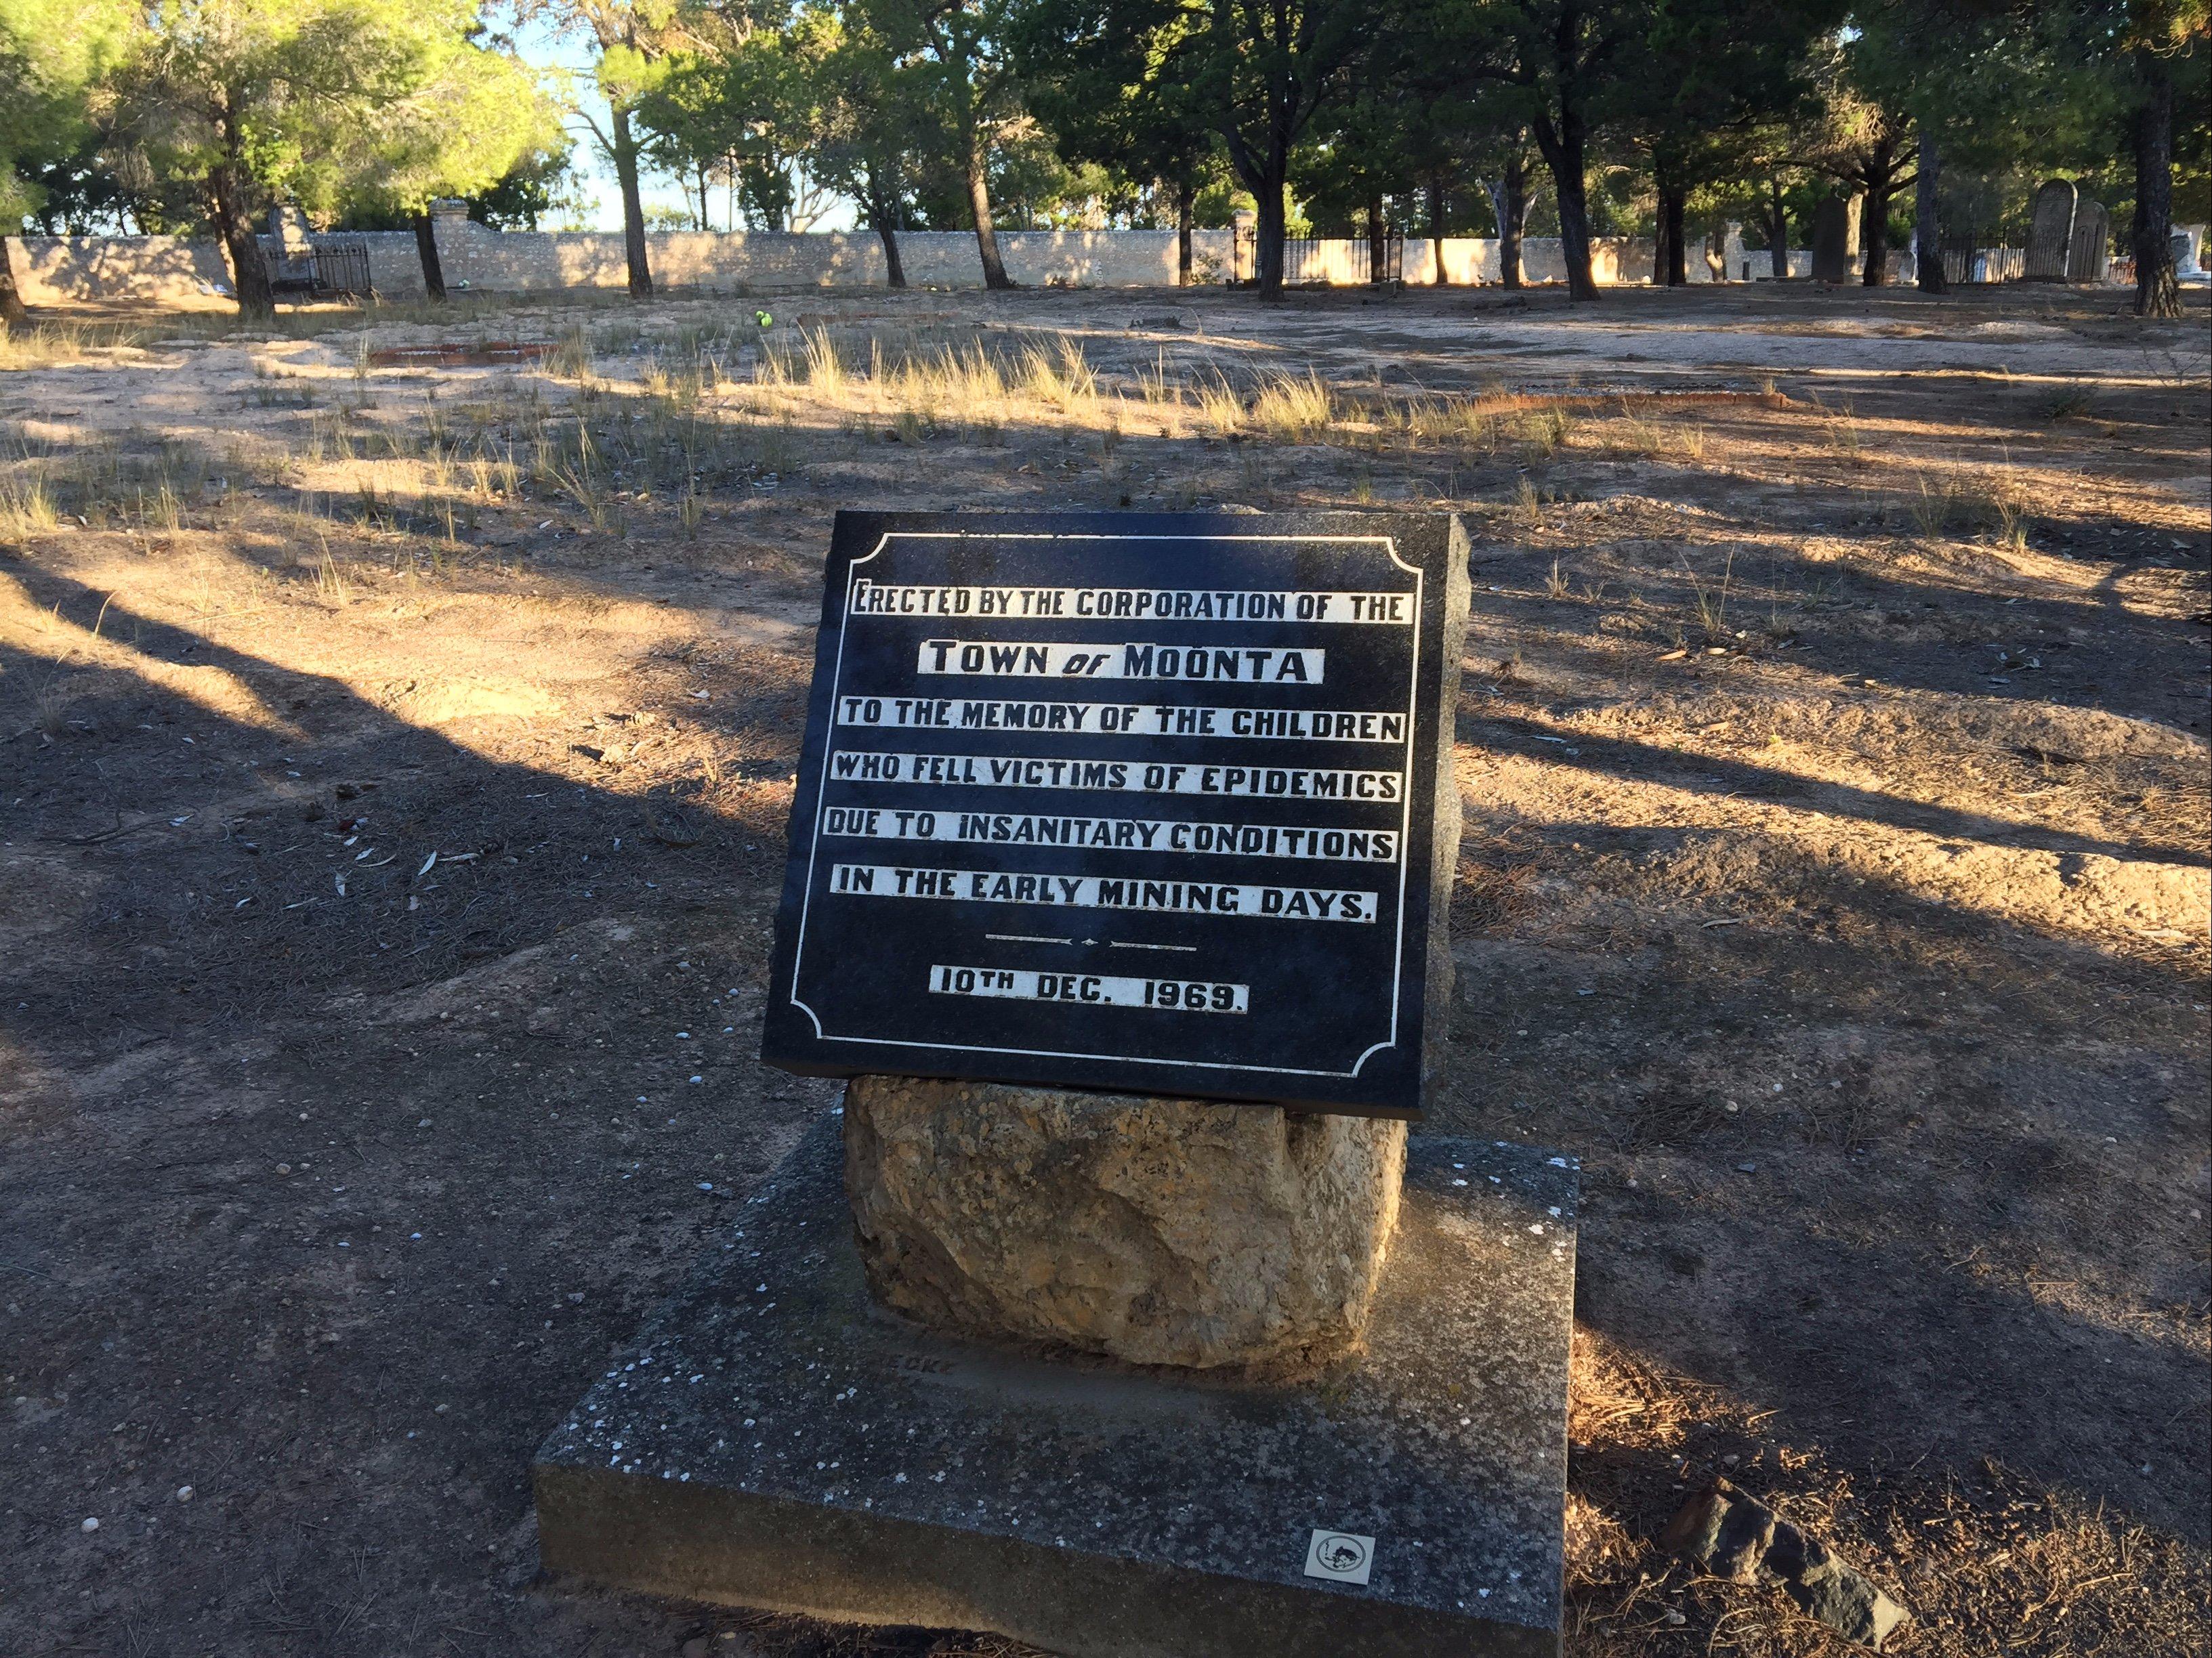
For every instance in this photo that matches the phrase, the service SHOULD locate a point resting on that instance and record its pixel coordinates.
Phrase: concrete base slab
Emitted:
(777, 1441)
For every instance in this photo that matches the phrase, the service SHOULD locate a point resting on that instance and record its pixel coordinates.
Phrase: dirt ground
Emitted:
(393, 769)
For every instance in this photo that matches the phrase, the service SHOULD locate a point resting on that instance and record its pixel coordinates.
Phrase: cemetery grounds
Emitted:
(394, 760)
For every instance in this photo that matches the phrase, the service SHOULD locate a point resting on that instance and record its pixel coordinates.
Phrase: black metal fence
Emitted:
(333, 268)
(341, 270)
(1326, 261)
(1984, 256)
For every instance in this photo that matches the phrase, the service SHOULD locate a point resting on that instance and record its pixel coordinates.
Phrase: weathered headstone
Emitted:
(1162, 806)
(292, 248)
(2090, 255)
(2051, 231)
(288, 225)
(1830, 229)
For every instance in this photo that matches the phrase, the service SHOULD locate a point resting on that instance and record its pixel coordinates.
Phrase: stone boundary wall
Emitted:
(62, 269)
(510, 261)
(66, 270)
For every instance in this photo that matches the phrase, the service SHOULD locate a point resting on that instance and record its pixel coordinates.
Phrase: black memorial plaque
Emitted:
(1130, 801)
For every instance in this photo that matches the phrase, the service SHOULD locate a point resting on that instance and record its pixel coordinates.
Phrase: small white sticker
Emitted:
(1341, 1557)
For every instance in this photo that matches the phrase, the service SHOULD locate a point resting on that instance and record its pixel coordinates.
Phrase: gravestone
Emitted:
(2051, 231)
(1116, 835)
(1829, 230)
(2090, 255)
(289, 248)
(288, 227)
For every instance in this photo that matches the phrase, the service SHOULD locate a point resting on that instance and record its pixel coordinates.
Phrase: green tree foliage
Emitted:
(874, 128)
(1091, 74)
(541, 183)
(746, 109)
(1083, 112)
(54, 55)
(1715, 79)
(632, 41)
(2154, 54)
(1264, 70)
(1560, 69)
(474, 116)
(959, 56)
(1256, 72)
(309, 99)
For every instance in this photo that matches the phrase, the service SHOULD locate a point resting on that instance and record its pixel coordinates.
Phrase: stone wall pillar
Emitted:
(1152, 1231)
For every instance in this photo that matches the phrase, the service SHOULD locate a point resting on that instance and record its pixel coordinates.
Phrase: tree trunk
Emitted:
(1928, 221)
(1186, 192)
(1678, 251)
(2157, 293)
(1268, 254)
(426, 249)
(1509, 226)
(1876, 226)
(1374, 237)
(1563, 145)
(625, 159)
(986, 236)
(894, 268)
(1436, 206)
(249, 272)
(12, 310)
(1660, 264)
(1777, 230)
(882, 214)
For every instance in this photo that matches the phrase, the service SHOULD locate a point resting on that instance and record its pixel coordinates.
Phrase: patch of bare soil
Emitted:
(393, 767)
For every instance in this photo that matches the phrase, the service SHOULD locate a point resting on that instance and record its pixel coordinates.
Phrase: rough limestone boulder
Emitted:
(1153, 1231)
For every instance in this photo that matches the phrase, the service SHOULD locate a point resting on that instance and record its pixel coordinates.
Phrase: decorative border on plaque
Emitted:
(1389, 546)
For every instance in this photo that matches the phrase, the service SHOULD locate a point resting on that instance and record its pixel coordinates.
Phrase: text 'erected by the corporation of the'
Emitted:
(1129, 603)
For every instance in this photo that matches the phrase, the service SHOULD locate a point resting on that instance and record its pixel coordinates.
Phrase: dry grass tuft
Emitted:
(1460, 424)
(26, 506)
(1293, 409)
(1062, 378)
(1933, 507)
(825, 365)
(1544, 432)
(571, 358)
(950, 385)
(1220, 410)
(46, 345)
